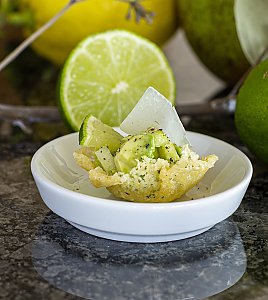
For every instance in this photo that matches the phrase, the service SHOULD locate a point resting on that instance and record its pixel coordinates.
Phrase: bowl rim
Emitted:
(39, 176)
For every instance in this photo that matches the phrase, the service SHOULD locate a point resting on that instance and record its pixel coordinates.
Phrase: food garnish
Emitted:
(153, 163)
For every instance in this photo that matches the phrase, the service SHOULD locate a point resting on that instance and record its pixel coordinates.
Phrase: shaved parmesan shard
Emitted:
(154, 110)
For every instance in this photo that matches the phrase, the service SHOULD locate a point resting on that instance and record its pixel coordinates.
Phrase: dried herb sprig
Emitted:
(139, 12)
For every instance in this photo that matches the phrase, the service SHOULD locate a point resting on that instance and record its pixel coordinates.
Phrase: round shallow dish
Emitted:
(66, 190)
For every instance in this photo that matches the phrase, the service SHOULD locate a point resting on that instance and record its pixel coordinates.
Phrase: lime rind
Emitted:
(84, 135)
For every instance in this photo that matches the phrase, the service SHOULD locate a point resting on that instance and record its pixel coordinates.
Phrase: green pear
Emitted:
(210, 28)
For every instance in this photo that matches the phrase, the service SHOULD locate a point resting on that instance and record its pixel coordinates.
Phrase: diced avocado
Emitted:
(123, 166)
(156, 153)
(106, 159)
(178, 149)
(168, 152)
(126, 138)
(160, 137)
(132, 150)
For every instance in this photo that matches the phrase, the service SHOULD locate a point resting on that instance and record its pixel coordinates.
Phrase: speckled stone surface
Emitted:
(44, 257)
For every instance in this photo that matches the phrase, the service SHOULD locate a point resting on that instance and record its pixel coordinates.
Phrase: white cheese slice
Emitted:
(154, 110)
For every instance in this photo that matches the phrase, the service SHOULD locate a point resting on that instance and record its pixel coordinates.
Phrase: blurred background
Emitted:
(195, 82)
(207, 47)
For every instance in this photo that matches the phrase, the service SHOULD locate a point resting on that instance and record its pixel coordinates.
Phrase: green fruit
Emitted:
(133, 150)
(251, 116)
(106, 159)
(168, 152)
(107, 73)
(210, 28)
(94, 133)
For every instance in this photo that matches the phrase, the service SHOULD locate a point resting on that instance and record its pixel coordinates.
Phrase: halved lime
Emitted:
(106, 74)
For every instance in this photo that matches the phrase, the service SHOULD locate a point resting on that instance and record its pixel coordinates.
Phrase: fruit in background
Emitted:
(210, 29)
(107, 73)
(147, 166)
(251, 116)
(93, 16)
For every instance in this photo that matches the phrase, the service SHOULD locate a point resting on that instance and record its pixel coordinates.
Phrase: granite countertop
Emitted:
(44, 257)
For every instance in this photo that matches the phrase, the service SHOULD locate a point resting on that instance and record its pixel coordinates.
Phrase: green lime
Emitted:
(106, 74)
(251, 116)
(93, 133)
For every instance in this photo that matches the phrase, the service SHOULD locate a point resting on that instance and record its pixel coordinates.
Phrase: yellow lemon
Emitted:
(92, 16)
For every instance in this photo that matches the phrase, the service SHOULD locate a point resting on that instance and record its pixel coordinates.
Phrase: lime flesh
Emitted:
(106, 74)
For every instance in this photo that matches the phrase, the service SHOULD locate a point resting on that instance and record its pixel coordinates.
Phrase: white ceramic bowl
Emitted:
(65, 189)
